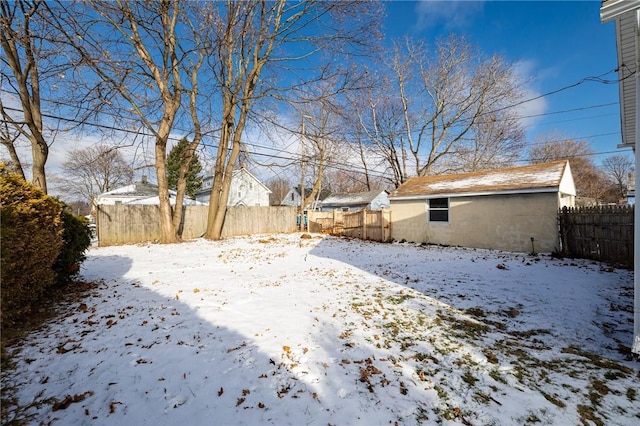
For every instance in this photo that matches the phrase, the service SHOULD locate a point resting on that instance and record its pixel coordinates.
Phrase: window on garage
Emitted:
(438, 210)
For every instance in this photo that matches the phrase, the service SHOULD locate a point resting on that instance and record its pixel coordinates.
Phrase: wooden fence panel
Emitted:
(353, 225)
(195, 221)
(125, 224)
(364, 224)
(600, 233)
(259, 220)
(129, 223)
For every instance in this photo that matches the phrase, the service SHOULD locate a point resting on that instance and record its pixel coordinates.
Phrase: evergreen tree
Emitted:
(194, 180)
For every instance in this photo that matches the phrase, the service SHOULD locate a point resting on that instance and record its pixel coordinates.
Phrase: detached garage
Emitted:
(496, 209)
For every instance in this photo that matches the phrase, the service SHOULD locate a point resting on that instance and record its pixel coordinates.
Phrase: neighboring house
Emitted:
(495, 209)
(293, 198)
(630, 196)
(141, 192)
(626, 15)
(345, 201)
(246, 190)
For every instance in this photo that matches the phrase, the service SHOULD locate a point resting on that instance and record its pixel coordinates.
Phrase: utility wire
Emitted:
(295, 157)
(350, 166)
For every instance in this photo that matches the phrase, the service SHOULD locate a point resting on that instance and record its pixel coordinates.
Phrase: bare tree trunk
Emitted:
(40, 153)
(191, 149)
(363, 159)
(223, 173)
(19, 47)
(148, 43)
(168, 231)
(15, 160)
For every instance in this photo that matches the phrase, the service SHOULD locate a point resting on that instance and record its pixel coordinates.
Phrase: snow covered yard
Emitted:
(285, 330)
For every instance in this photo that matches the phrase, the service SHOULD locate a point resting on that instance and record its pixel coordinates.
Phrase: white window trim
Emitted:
(448, 209)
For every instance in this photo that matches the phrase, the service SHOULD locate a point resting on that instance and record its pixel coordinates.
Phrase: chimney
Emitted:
(243, 165)
(144, 179)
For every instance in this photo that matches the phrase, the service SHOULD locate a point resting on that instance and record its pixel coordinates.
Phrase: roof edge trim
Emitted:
(475, 194)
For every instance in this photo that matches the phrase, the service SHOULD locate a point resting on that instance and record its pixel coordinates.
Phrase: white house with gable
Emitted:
(246, 190)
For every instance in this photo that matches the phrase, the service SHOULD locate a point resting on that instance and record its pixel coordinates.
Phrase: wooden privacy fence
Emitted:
(131, 223)
(372, 225)
(600, 233)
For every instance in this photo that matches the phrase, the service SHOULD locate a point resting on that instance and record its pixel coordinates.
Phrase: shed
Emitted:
(348, 201)
(494, 209)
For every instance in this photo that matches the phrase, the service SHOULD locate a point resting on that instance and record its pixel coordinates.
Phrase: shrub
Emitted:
(31, 232)
(76, 238)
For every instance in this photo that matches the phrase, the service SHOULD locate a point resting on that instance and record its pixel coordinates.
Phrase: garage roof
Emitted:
(544, 177)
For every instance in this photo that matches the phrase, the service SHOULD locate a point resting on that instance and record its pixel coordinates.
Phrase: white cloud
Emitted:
(453, 15)
(528, 75)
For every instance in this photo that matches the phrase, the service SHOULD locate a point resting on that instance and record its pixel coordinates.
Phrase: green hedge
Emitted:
(42, 244)
(76, 238)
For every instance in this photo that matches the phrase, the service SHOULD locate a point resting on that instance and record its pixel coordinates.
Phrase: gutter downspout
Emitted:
(636, 232)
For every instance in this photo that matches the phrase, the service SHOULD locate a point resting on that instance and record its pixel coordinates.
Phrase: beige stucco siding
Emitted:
(503, 222)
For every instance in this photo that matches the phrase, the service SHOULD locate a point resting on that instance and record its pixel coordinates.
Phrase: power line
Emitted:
(597, 79)
(289, 158)
(294, 157)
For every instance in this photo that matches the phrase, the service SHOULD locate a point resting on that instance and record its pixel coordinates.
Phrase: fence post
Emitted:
(563, 230)
(364, 224)
(386, 224)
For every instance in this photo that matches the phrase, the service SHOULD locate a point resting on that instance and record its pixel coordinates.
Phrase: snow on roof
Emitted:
(513, 179)
(155, 200)
(351, 198)
(135, 189)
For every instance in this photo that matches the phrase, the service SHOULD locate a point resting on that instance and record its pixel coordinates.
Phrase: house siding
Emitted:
(503, 222)
(245, 190)
(380, 202)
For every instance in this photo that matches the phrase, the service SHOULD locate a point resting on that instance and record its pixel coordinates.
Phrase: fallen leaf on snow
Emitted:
(68, 400)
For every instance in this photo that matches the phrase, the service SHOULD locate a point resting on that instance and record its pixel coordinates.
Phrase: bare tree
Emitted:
(496, 142)
(455, 105)
(319, 147)
(88, 172)
(8, 138)
(378, 119)
(256, 44)
(446, 109)
(589, 181)
(341, 180)
(149, 54)
(279, 188)
(617, 168)
(23, 50)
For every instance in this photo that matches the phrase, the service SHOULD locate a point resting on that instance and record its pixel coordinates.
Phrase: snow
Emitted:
(278, 329)
(510, 178)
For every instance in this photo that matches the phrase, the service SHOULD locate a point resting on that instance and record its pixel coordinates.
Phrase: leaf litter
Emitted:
(276, 329)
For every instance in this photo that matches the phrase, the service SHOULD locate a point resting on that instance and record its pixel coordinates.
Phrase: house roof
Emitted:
(624, 14)
(155, 200)
(324, 193)
(351, 198)
(138, 189)
(543, 177)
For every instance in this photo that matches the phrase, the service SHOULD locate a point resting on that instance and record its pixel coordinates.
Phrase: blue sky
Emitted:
(553, 44)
